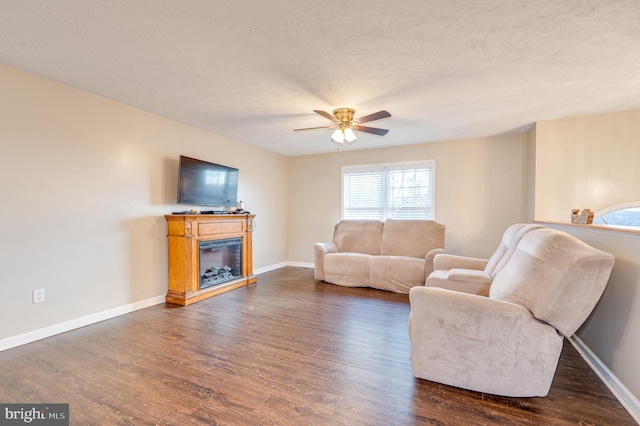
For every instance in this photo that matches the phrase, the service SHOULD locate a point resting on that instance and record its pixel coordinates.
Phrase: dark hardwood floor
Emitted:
(286, 351)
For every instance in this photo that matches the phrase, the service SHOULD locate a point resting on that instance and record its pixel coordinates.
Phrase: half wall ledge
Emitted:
(609, 229)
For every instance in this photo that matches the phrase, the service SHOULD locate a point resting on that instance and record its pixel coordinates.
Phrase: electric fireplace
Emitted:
(209, 254)
(220, 261)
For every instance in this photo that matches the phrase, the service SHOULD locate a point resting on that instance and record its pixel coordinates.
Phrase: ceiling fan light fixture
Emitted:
(338, 136)
(349, 135)
(343, 136)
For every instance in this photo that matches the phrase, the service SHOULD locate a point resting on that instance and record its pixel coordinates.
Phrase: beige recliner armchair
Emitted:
(474, 275)
(509, 343)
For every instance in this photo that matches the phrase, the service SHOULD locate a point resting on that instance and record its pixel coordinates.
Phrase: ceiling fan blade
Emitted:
(313, 128)
(325, 114)
(372, 117)
(374, 130)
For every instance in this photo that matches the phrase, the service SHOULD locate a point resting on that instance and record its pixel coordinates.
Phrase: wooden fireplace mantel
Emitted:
(185, 232)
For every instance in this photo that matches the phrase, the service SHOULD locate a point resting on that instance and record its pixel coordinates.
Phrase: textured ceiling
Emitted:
(255, 70)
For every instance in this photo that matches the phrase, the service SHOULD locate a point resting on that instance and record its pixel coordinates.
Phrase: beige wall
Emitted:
(479, 191)
(592, 162)
(586, 162)
(85, 183)
(530, 191)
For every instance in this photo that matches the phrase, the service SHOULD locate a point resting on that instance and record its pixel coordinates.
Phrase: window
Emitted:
(398, 191)
(621, 215)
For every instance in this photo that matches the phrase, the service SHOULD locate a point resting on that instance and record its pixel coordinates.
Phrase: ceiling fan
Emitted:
(345, 124)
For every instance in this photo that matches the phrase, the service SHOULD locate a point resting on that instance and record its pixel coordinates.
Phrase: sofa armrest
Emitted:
(464, 280)
(428, 260)
(320, 250)
(444, 262)
(482, 344)
(469, 275)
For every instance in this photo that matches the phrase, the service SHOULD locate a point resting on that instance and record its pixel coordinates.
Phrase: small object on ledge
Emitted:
(575, 213)
(585, 217)
(590, 216)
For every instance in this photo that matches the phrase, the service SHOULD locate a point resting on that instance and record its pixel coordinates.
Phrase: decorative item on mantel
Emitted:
(585, 217)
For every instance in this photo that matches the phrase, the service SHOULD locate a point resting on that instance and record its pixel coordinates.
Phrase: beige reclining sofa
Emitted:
(393, 255)
(509, 342)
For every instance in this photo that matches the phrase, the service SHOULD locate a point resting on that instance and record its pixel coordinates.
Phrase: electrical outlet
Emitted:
(38, 296)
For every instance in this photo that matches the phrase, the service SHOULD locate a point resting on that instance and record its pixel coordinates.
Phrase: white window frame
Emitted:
(391, 166)
(624, 206)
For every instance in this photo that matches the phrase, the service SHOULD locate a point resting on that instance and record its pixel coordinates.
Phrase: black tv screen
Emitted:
(202, 183)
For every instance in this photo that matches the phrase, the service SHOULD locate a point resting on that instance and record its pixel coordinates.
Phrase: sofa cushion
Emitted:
(412, 238)
(348, 269)
(396, 273)
(358, 236)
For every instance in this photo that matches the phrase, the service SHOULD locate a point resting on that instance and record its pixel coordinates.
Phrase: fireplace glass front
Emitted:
(220, 261)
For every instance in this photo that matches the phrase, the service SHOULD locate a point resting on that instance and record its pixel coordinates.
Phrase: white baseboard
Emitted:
(619, 390)
(301, 264)
(269, 268)
(43, 333)
(282, 265)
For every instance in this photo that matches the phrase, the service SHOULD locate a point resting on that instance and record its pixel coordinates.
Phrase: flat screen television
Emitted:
(202, 183)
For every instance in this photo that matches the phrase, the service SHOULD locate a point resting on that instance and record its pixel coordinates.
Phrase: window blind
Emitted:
(398, 191)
